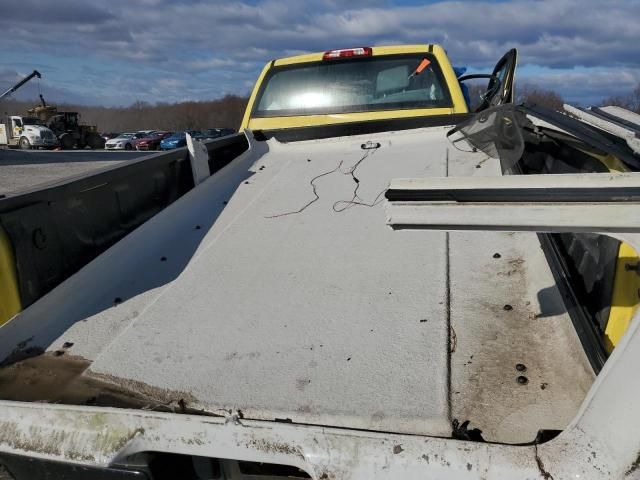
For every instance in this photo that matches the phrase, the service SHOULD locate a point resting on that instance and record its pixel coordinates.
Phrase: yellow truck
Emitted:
(369, 281)
(346, 88)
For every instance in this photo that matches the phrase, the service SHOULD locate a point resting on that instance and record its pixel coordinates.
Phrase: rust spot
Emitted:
(515, 266)
(545, 474)
(634, 466)
(272, 447)
(327, 476)
(66, 379)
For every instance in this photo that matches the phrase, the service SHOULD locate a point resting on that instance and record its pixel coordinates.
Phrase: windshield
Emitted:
(30, 121)
(357, 85)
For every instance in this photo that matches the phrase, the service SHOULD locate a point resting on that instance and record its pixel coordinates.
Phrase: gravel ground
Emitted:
(23, 170)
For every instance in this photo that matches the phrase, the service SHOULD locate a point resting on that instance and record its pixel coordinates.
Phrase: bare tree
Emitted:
(224, 112)
(533, 94)
(526, 92)
(630, 101)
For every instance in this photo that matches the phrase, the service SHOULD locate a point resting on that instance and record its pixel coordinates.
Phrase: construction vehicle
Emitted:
(70, 132)
(34, 74)
(353, 295)
(24, 132)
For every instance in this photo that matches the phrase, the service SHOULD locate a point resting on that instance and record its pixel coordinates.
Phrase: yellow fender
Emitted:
(625, 296)
(9, 293)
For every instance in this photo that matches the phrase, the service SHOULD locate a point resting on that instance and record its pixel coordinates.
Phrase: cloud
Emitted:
(589, 85)
(31, 90)
(219, 63)
(228, 42)
(63, 12)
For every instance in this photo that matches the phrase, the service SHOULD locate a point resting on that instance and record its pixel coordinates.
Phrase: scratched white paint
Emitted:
(602, 442)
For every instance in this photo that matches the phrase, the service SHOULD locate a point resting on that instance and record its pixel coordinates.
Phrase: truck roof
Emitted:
(377, 50)
(276, 290)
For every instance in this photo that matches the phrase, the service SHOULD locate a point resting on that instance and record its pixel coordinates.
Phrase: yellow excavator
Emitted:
(67, 128)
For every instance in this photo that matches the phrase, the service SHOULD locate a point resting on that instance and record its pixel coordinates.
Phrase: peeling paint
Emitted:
(273, 447)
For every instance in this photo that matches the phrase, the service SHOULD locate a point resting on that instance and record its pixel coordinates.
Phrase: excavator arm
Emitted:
(33, 74)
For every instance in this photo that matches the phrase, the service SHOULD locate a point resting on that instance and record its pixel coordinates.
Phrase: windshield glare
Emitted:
(357, 85)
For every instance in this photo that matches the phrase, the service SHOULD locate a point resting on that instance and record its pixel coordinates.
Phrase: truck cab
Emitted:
(26, 133)
(366, 89)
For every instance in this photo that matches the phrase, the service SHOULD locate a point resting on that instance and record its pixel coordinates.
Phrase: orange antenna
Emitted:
(423, 64)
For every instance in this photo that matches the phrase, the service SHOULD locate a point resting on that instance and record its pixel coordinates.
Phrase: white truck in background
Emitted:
(24, 132)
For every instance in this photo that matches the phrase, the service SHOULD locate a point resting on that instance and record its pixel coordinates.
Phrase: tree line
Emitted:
(200, 115)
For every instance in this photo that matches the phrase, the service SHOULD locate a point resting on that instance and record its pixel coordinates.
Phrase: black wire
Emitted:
(347, 203)
(353, 202)
(453, 142)
(313, 186)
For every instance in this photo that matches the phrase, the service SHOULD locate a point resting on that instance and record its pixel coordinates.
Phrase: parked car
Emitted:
(109, 136)
(125, 141)
(151, 141)
(179, 139)
(217, 132)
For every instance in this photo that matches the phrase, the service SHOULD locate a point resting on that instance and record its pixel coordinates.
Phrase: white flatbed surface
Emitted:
(314, 316)
(323, 317)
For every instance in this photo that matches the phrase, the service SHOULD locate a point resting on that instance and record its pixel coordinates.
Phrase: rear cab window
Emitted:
(377, 83)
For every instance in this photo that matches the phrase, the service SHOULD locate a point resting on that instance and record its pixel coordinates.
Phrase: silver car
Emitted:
(124, 141)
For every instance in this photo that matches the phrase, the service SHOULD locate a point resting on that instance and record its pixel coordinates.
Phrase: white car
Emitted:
(124, 141)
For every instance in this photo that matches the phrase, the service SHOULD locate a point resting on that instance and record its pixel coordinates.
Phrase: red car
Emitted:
(152, 141)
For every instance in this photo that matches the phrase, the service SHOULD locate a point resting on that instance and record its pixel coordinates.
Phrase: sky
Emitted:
(117, 52)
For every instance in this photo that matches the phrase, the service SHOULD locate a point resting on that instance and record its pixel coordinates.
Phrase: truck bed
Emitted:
(271, 292)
